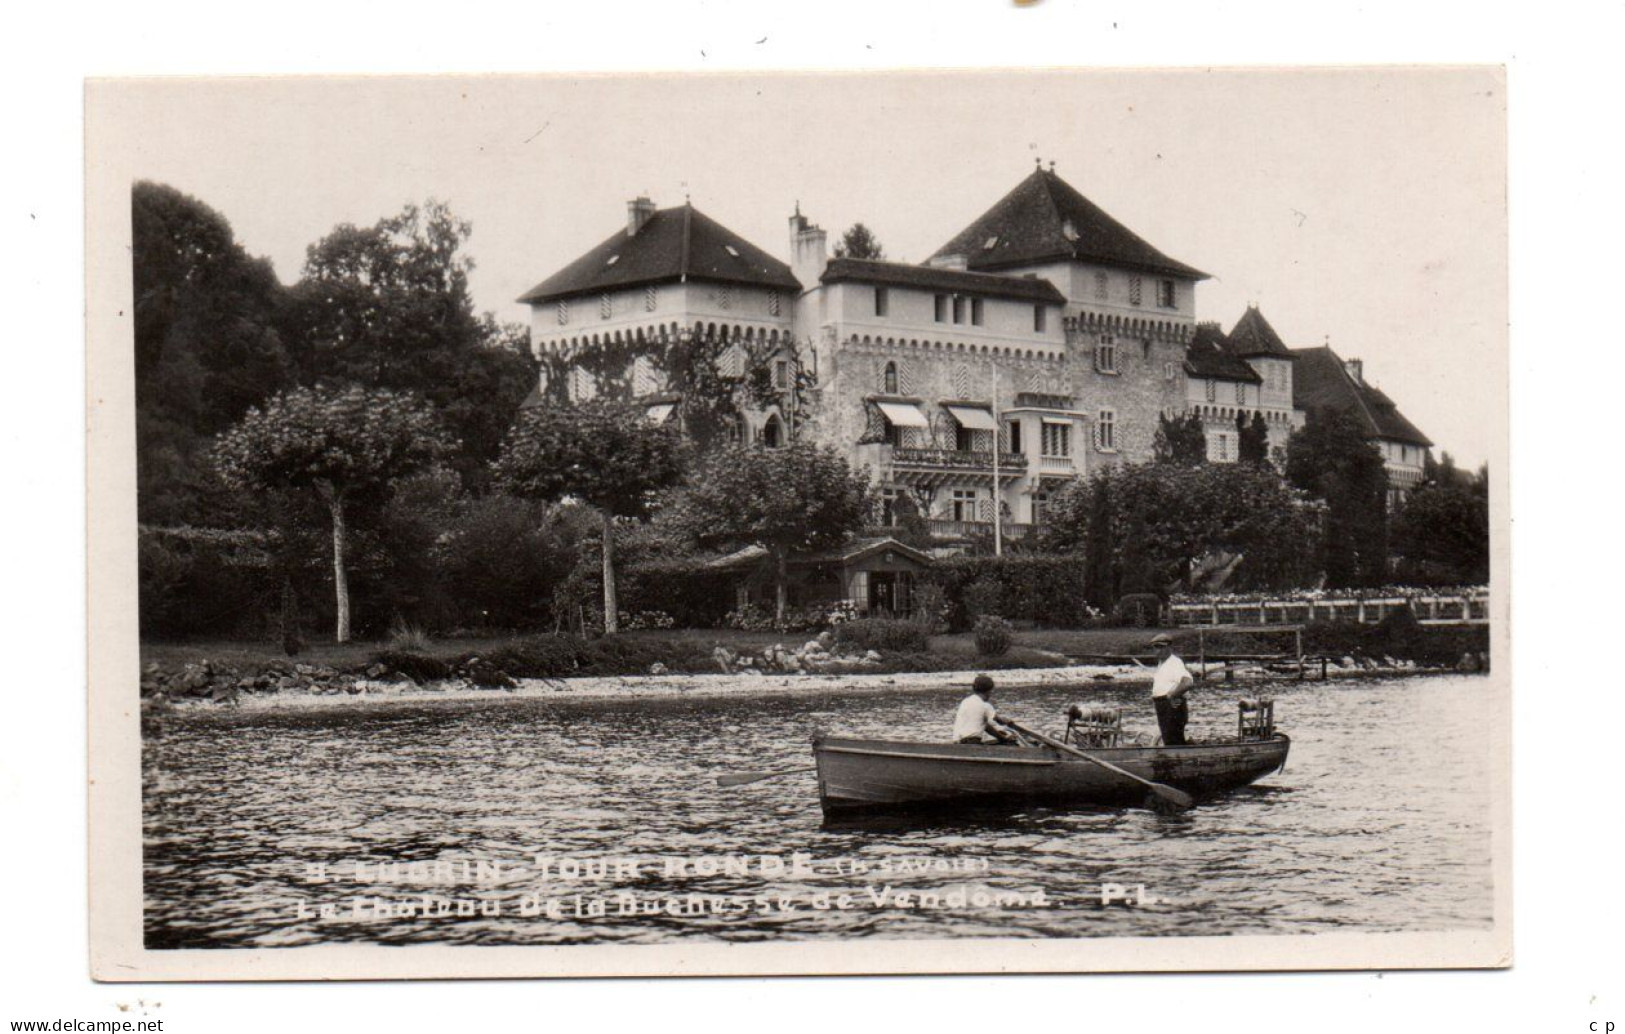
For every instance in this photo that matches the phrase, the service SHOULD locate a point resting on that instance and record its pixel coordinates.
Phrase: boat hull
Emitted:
(864, 775)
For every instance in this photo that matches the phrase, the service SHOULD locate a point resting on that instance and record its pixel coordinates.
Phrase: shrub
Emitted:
(1046, 590)
(405, 638)
(201, 581)
(1138, 610)
(993, 636)
(692, 594)
(931, 607)
(885, 634)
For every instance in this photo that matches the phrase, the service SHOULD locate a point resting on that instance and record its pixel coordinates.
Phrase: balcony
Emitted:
(955, 459)
(951, 529)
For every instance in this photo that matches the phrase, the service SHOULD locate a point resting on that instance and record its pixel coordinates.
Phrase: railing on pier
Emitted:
(1470, 608)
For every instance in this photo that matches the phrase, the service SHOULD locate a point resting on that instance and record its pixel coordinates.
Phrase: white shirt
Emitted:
(1170, 673)
(972, 718)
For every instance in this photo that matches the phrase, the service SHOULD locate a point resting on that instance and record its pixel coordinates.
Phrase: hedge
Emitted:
(1046, 590)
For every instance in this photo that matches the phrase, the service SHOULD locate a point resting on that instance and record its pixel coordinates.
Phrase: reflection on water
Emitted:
(1381, 821)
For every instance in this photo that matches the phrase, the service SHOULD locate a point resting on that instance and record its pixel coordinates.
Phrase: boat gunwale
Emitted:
(821, 744)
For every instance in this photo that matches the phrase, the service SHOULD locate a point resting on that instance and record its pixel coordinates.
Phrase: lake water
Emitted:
(1380, 822)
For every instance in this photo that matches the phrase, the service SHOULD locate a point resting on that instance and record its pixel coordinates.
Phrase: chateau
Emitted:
(1040, 343)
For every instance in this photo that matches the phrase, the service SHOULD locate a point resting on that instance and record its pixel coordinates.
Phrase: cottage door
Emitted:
(882, 592)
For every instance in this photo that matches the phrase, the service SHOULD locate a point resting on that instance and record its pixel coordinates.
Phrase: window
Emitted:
(1168, 371)
(1015, 436)
(725, 297)
(773, 432)
(1221, 446)
(942, 308)
(1165, 294)
(976, 311)
(882, 302)
(1055, 440)
(1241, 394)
(651, 298)
(964, 504)
(772, 303)
(1106, 431)
(781, 373)
(606, 306)
(890, 379)
(1134, 290)
(1106, 354)
(564, 313)
(1212, 388)
(1040, 319)
(888, 507)
(964, 438)
(1101, 282)
(1039, 500)
(959, 309)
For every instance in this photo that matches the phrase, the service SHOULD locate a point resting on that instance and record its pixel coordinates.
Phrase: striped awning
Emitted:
(903, 414)
(972, 418)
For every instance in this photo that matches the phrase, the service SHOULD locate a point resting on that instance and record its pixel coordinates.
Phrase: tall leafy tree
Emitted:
(859, 242)
(604, 453)
(1180, 439)
(347, 445)
(207, 345)
(797, 498)
(1252, 438)
(1443, 531)
(1331, 460)
(389, 306)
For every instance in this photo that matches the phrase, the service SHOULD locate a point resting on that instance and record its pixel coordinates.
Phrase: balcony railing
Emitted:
(941, 528)
(955, 459)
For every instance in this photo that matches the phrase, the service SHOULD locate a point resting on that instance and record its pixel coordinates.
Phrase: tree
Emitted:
(389, 306)
(859, 242)
(1142, 527)
(604, 453)
(1180, 440)
(207, 346)
(346, 444)
(1252, 438)
(1330, 459)
(797, 498)
(1443, 532)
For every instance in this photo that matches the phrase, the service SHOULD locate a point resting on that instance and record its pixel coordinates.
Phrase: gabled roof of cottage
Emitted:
(1209, 356)
(929, 278)
(1253, 336)
(1044, 219)
(673, 245)
(1321, 380)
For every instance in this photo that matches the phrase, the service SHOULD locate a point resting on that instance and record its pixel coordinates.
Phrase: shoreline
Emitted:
(721, 686)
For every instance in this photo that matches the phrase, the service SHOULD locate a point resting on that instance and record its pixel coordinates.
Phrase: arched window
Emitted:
(773, 432)
(891, 379)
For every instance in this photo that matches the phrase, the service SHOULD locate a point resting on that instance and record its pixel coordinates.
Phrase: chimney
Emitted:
(1356, 369)
(808, 255)
(638, 211)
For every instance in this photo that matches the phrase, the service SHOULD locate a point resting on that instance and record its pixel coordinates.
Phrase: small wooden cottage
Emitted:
(876, 574)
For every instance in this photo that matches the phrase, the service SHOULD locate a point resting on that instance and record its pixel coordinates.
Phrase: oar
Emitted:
(741, 778)
(1167, 793)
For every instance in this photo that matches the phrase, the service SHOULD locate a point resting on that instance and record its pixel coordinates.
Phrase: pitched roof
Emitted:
(673, 244)
(1044, 219)
(1253, 336)
(1321, 380)
(1209, 355)
(852, 550)
(928, 278)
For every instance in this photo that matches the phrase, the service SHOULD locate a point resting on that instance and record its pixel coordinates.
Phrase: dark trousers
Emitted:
(1171, 718)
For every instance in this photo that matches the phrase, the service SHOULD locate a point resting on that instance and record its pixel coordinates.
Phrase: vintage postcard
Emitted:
(930, 522)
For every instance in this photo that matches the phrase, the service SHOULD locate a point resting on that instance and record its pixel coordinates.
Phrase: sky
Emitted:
(1361, 208)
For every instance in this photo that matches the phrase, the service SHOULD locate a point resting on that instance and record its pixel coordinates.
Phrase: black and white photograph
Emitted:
(799, 523)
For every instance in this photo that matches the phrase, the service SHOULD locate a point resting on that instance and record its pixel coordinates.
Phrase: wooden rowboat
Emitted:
(859, 775)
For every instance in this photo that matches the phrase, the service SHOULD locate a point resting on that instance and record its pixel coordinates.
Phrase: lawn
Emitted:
(1033, 648)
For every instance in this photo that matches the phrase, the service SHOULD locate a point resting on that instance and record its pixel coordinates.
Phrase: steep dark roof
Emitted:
(1209, 356)
(1321, 380)
(674, 243)
(1044, 219)
(927, 278)
(1252, 336)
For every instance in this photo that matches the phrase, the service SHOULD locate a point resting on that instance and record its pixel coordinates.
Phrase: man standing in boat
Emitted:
(976, 721)
(1169, 686)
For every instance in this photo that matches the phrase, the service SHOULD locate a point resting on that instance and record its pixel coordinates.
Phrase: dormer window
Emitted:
(992, 242)
(1069, 231)
(729, 248)
(612, 260)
